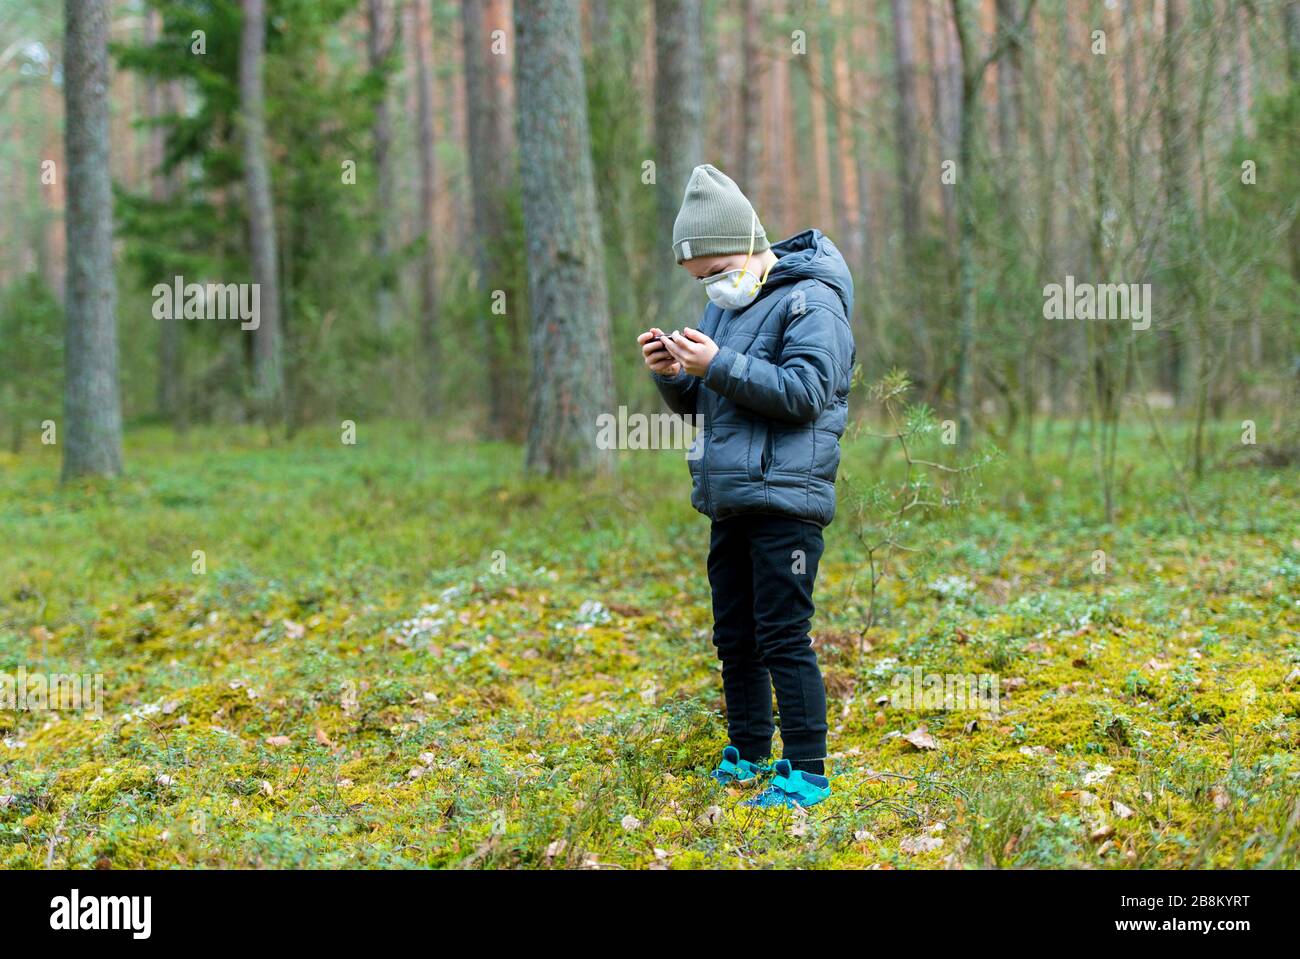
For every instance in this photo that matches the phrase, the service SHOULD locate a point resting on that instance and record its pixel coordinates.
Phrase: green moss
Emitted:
(274, 712)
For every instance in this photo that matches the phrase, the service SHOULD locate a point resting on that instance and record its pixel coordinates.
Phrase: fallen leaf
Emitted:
(294, 630)
(710, 816)
(913, 845)
(1097, 774)
(1220, 796)
(1124, 812)
(631, 823)
(278, 740)
(322, 737)
(920, 738)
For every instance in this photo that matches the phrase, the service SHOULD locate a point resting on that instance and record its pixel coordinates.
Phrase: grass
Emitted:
(403, 654)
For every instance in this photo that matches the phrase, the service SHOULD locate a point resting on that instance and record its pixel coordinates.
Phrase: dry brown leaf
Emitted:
(920, 738)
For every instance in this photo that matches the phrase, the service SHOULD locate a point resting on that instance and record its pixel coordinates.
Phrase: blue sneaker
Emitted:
(792, 787)
(735, 770)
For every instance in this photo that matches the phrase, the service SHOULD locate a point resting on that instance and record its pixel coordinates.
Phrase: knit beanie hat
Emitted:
(715, 218)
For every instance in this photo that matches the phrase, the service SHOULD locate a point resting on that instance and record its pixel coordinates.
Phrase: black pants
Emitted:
(762, 568)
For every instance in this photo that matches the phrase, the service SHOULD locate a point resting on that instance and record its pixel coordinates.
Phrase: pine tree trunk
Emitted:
(159, 100)
(864, 48)
(1291, 27)
(379, 46)
(679, 146)
(966, 230)
(1176, 174)
(92, 411)
(936, 42)
(751, 132)
(427, 343)
(268, 358)
(905, 112)
(1009, 106)
(821, 155)
(778, 143)
(850, 221)
(572, 380)
(491, 169)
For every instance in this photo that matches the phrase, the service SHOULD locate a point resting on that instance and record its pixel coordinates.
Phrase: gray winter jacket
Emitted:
(775, 399)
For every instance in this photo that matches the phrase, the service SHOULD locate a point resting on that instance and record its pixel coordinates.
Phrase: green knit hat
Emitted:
(715, 218)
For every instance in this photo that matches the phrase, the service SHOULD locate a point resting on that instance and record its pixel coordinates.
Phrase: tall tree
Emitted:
(1176, 172)
(679, 141)
(268, 357)
(380, 35)
(905, 113)
(849, 211)
(160, 100)
(1291, 27)
(92, 410)
(572, 380)
(974, 66)
(778, 145)
(426, 364)
(1009, 99)
(936, 32)
(864, 48)
(491, 175)
(751, 128)
(821, 155)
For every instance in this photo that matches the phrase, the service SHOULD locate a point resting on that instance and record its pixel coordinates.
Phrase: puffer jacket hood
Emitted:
(774, 400)
(812, 256)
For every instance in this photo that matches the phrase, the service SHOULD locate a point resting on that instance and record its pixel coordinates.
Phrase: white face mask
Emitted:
(736, 289)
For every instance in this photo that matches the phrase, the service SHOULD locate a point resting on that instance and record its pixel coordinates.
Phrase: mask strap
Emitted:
(753, 232)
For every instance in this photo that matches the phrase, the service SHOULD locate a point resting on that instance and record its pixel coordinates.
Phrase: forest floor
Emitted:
(402, 654)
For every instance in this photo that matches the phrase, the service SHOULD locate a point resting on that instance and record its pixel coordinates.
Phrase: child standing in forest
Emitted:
(768, 371)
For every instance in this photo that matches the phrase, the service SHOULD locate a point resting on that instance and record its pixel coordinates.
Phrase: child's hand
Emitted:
(692, 349)
(656, 356)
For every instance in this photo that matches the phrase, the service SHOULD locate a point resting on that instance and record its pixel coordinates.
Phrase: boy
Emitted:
(768, 370)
